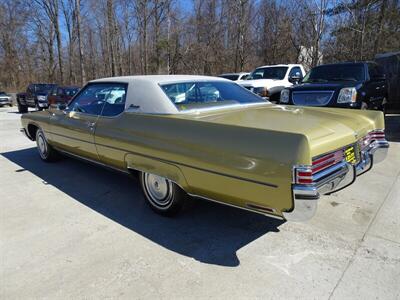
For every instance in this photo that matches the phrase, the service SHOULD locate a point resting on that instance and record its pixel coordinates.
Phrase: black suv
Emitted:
(35, 96)
(348, 85)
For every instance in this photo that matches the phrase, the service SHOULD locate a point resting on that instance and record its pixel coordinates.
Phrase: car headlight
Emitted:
(285, 96)
(261, 91)
(42, 98)
(347, 95)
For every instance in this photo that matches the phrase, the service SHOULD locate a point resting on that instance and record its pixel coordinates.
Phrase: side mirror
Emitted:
(296, 78)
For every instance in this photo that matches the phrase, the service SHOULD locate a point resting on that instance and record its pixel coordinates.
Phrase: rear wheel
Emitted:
(164, 196)
(46, 152)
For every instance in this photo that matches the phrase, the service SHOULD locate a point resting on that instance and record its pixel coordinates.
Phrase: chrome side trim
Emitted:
(180, 164)
(73, 155)
(236, 206)
(220, 202)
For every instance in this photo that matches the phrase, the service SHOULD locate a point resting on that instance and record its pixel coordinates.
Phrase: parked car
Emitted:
(234, 148)
(61, 95)
(35, 96)
(269, 81)
(5, 99)
(347, 85)
(235, 76)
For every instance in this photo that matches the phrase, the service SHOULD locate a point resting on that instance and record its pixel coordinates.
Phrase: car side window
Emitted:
(372, 71)
(92, 98)
(114, 102)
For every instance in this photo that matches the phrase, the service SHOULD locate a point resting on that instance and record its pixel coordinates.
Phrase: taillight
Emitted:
(375, 135)
(304, 174)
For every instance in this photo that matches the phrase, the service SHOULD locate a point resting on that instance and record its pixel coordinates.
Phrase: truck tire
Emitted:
(22, 108)
(38, 108)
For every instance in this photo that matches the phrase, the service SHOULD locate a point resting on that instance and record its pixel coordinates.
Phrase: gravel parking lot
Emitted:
(74, 230)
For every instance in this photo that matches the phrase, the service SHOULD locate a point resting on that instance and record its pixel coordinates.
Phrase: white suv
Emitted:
(268, 81)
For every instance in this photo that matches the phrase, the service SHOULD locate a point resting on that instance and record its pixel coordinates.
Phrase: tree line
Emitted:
(73, 41)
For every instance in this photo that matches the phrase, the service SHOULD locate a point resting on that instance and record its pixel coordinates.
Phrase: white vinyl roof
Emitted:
(145, 95)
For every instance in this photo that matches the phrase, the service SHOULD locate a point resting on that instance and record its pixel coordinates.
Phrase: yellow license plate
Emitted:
(350, 155)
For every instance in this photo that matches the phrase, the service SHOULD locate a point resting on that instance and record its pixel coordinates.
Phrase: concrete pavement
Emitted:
(73, 230)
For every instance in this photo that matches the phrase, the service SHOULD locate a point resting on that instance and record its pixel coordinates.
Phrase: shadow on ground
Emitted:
(208, 232)
(392, 127)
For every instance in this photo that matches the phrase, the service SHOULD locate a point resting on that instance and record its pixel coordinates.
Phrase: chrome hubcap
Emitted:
(42, 145)
(158, 189)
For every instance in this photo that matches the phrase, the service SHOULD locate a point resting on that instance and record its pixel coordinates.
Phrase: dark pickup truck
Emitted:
(361, 85)
(35, 96)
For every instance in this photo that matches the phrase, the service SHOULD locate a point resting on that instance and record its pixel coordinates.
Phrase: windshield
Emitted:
(204, 94)
(353, 72)
(232, 77)
(44, 88)
(268, 73)
(3, 94)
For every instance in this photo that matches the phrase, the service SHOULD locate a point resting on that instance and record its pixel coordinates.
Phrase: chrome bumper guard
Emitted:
(335, 178)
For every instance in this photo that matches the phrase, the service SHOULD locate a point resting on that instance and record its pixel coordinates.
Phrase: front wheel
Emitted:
(46, 152)
(22, 108)
(38, 108)
(164, 196)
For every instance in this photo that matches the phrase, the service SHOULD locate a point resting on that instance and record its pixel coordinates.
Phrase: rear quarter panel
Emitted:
(227, 163)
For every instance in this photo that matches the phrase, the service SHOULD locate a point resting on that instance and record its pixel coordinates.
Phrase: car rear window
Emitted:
(203, 94)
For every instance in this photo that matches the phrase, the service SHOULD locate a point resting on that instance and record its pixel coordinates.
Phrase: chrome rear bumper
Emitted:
(333, 179)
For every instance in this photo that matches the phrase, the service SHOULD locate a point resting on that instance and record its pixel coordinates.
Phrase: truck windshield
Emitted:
(44, 88)
(268, 73)
(232, 77)
(207, 94)
(350, 72)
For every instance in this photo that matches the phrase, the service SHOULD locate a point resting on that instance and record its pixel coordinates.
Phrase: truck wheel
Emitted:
(22, 108)
(46, 152)
(164, 196)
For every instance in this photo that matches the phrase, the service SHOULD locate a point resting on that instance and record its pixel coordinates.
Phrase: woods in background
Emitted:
(72, 41)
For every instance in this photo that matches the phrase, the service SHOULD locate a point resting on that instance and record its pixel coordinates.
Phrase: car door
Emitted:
(73, 129)
(52, 97)
(108, 128)
(376, 85)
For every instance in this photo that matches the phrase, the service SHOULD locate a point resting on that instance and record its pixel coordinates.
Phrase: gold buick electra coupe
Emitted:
(209, 138)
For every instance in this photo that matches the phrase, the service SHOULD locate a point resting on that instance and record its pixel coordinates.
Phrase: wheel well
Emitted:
(32, 131)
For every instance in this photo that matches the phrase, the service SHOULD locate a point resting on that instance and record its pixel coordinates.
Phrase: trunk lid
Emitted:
(326, 129)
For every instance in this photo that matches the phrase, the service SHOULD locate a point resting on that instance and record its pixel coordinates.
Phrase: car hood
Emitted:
(259, 82)
(325, 128)
(323, 86)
